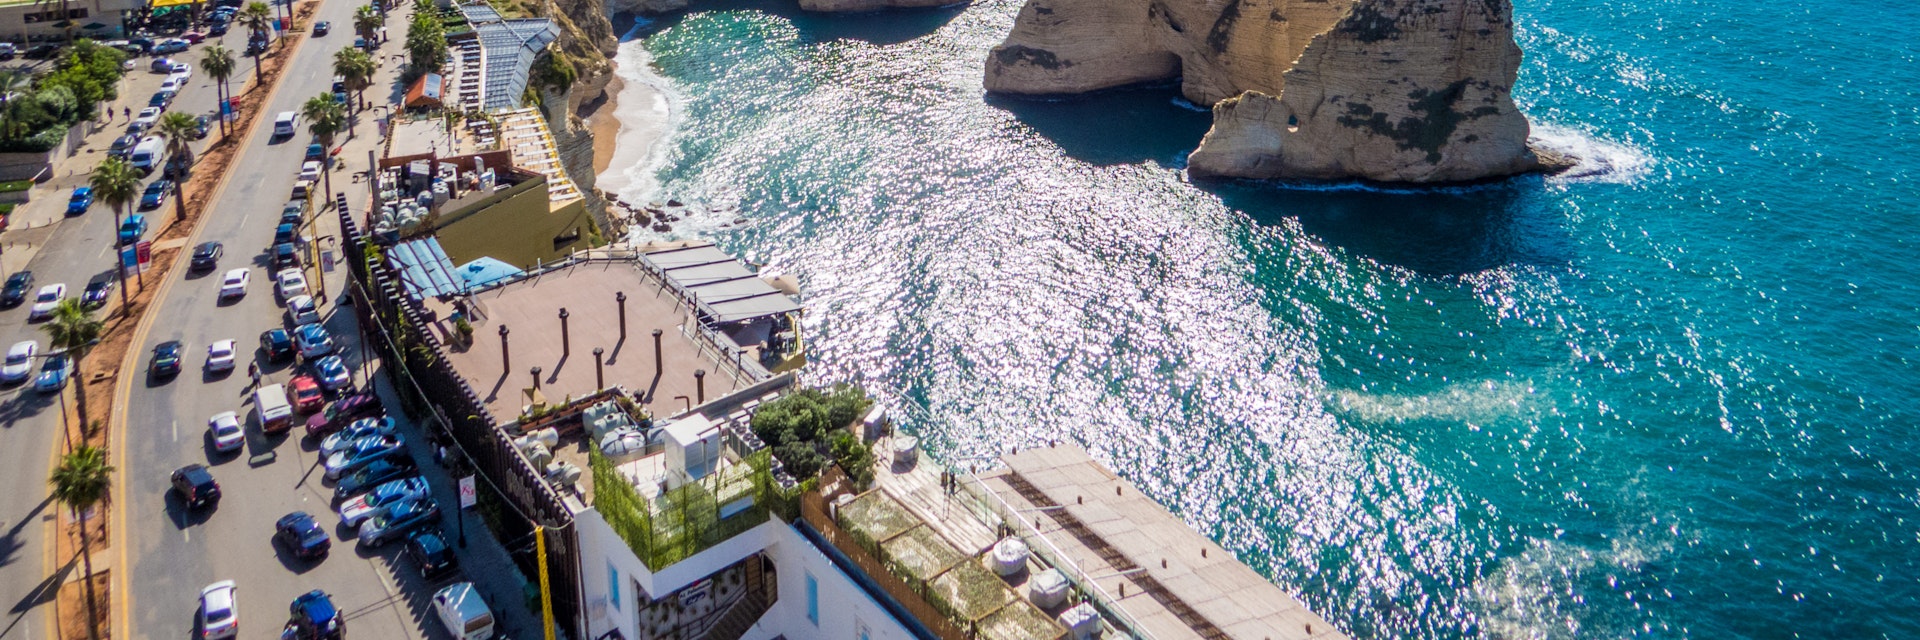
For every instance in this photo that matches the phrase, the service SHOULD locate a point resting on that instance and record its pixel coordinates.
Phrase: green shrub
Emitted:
(799, 426)
(11, 186)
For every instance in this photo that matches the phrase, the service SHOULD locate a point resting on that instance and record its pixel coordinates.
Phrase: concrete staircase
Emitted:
(748, 610)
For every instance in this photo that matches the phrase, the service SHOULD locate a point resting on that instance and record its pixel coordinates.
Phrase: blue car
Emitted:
(314, 616)
(133, 229)
(81, 201)
(156, 194)
(332, 373)
(53, 375)
(302, 535)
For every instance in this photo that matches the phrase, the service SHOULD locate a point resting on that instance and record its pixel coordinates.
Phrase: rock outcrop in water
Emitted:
(1412, 91)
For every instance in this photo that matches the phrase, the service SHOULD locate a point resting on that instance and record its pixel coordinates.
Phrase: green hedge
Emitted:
(15, 185)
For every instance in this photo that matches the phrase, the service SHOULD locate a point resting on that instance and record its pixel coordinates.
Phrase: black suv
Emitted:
(277, 345)
(207, 256)
(16, 290)
(285, 255)
(431, 554)
(196, 486)
(97, 291)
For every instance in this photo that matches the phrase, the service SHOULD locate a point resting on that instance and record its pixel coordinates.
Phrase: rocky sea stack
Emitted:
(1407, 91)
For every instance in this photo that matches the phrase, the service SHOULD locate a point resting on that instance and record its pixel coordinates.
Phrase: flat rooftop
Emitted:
(529, 308)
(1177, 583)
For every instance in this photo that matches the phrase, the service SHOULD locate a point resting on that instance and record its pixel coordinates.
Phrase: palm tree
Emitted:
(356, 69)
(325, 119)
(258, 18)
(178, 128)
(367, 22)
(81, 482)
(218, 63)
(116, 183)
(74, 330)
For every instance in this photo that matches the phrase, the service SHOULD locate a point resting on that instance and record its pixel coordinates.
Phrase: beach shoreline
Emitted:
(629, 126)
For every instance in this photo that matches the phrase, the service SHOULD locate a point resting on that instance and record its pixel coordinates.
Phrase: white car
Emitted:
(45, 301)
(310, 171)
(220, 356)
(303, 310)
(359, 509)
(219, 611)
(226, 431)
(19, 363)
(234, 284)
(178, 68)
(291, 282)
(173, 83)
(361, 428)
(147, 118)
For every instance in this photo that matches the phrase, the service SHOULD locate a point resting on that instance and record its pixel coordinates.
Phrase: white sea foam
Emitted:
(1477, 401)
(648, 110)
(1597, 159)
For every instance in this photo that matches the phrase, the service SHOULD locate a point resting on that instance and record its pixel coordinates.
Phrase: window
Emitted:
(613, 586)
(813, 600)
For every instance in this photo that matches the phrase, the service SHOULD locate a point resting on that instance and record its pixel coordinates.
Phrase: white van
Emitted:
(463, 612)
(276, 414)
(148, 154)
(283, 123)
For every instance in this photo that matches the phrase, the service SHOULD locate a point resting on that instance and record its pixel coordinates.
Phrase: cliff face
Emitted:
(1388, 90)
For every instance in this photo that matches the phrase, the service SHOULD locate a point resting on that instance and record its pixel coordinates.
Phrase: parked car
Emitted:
(294, 213)
(363, 453)
(145, 120)
(166, 359)
(313, 617)
(316, 151)
(41, 52)
(290, 283)
(277, 344)
(132, 229)
(46, 300)
(8, 51)
(463, 612)
(343, 412)
(220, 356)
(361, 429)
(161, 99)
(285, 255)
(161, 65)
(399, 519)
(179, 69)
(431, 554)
(193, 37)
(302, 310)
(170, 45)
(360, 42)
(372, 476)
(310, 171)
(219, 610)
(286, 232)
(196, 485)
(218, 28)
(332, 373)
(224, 428)
(19, 364)
(207, 255)
(80, 201)
(53, 374)
(174, 84)
(314, 340)
(95, 296)
(16, 290)
(358, 510)
(234, 285)
(302, 535)
(156, 194)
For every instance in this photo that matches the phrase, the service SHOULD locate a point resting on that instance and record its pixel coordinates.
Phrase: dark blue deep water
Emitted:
(1668, 395)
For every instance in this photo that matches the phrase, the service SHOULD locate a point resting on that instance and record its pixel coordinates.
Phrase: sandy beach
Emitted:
(628, 129)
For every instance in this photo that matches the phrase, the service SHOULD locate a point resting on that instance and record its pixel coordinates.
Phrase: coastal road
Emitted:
(73, 251)
(170, 553)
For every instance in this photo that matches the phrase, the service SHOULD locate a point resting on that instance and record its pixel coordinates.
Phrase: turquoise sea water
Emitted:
(1668, 395)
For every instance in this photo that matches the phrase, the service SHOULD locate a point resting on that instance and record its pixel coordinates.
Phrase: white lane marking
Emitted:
(186, 535)
(176, 431)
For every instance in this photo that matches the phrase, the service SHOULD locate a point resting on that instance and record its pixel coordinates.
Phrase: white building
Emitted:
(36, 20)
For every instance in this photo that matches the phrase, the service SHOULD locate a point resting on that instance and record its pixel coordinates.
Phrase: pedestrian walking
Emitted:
(253, 371)
(129, 112)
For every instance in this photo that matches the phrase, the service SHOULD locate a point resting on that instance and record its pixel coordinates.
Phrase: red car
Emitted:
(194, 37)
(306, 394)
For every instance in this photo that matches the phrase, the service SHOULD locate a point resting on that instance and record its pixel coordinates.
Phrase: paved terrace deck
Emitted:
(1201, 591)
(530, 310)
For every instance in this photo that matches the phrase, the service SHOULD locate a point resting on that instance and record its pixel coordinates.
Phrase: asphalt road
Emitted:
(173, 552)
(72, 250)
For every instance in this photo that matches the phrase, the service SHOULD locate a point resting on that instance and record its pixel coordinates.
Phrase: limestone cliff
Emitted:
(1389, 90)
